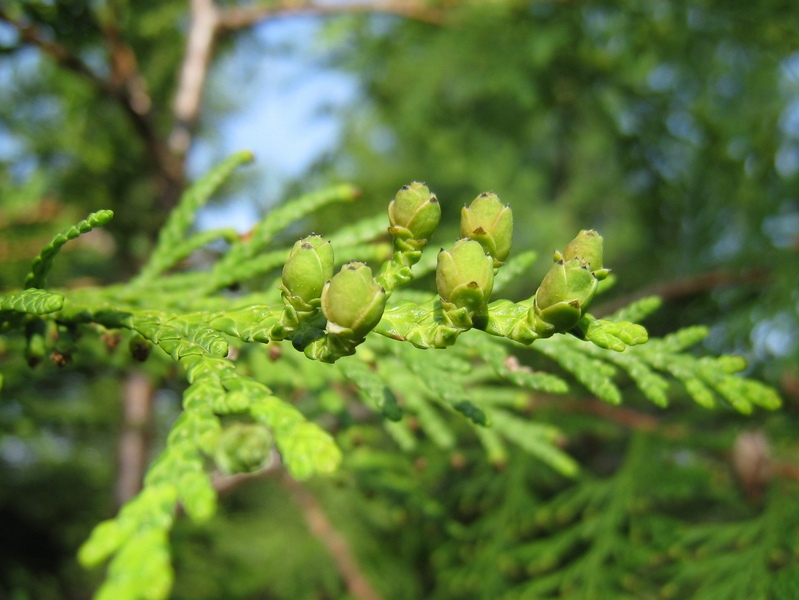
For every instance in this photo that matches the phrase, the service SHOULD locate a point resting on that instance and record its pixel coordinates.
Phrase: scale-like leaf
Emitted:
(37, 278)
(32, 301)
(537, 439)
(371, 387)
(277, 220)
(173, 236)
(616, 336)
(494, 353)
(595, 375)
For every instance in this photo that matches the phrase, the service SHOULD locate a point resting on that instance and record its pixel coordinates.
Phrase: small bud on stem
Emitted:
(353, 302)
(308, 268)
(489, 222)
(414, 214)
(570, 285)
(465, 277)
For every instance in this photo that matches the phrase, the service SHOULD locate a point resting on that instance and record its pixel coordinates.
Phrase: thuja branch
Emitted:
(231, 418)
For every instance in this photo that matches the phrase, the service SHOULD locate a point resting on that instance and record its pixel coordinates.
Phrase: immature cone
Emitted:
(353, 301)
(308, 268)
(587, 247)
(488, 221)
(569, 286)
(465, 276)
(414, 213)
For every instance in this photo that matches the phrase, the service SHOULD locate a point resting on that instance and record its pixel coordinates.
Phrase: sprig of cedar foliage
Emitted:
(657, 527)
(232, 417)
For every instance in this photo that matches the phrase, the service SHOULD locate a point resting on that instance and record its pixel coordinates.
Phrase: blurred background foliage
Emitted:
(671, 127)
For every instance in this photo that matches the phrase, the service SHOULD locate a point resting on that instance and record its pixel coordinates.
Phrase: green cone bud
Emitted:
(414, 212)
(565, 292)
(465, 276)
(587, 247)
(488, 221)
(243, 448)
(353, 301)
(308, 268)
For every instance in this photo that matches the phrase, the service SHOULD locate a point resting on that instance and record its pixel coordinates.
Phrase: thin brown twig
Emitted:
(686, 287)
(129, 86)
(125, 77)
(785, 469)
(626, 417)
(31, 35)
(637, 421)
(246, 16)
(318, 523)
(321, 527)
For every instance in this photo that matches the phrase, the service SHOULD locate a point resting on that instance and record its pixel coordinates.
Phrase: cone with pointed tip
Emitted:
(353, 302)
(465, 277)
(587, 247)
(414, 214)
(308, 268)
(489, 222)
(570, 285)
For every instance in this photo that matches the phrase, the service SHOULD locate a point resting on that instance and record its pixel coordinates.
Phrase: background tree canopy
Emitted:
(671, 127)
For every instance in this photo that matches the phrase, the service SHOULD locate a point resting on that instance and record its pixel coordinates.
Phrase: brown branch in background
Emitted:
(199, 49)
(750, 457)
(786, 470)
(751, 463)
(31, 35)
(125, 73)
(321, 527)
(209, 21)
(137, 402)
(247, 16)
(318, 524)
(126, 87)
(626, 417)
(129, 87)
(686, 287)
